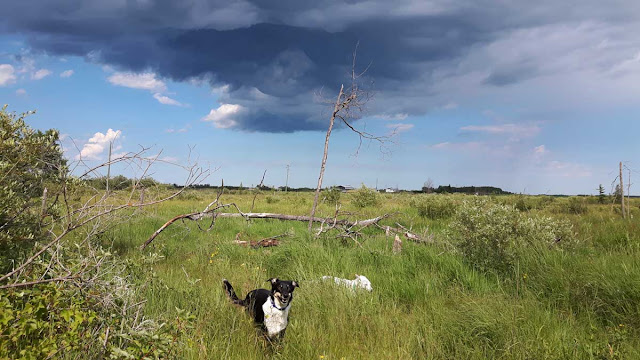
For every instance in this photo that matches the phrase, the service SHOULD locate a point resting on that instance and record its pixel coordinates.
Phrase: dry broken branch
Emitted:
(266, 242)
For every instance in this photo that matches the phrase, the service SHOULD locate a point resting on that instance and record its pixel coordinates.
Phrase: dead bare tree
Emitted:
(349, 106)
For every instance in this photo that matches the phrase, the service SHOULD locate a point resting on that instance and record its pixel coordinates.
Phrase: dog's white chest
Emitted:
(275, 320)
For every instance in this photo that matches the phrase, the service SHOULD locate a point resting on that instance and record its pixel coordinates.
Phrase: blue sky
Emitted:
(544, 102)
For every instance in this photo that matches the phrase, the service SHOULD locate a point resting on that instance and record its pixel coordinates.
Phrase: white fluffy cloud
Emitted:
(162, 99)
(97, 144)
(225, 116)
(7, 74)
(66, 73)
(144, 81)
(40, 74)
(21, 92)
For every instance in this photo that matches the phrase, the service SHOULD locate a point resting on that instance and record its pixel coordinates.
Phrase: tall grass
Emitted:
(428, 302)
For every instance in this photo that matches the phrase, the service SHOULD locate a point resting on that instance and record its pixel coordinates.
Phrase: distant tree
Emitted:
(601, 194)
(427, 187)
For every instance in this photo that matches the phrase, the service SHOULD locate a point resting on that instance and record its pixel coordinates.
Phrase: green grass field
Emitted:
(428, 302)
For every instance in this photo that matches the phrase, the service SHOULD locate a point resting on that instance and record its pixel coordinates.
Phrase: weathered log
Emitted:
(199, 215)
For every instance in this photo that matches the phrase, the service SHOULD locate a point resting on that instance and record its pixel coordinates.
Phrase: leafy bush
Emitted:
(492, 236)
(331, 195)
(576, 205)
(271, 199)
(522, 204)
(544, 201)
(434, 207)
(190, 195)
(72, 317)
(30, 161)
(365, 197)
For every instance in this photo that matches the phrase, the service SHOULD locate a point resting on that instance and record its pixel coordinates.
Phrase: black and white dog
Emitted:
(269, 309)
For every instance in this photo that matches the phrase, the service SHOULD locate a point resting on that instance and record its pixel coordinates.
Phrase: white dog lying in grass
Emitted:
(360, 282)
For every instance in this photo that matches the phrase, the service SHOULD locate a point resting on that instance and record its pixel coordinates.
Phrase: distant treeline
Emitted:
(442, 189)
(119, 182)
(480, 190)
(231, 187)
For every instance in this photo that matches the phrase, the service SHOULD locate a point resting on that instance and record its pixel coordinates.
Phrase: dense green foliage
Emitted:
(434, 207)
(495, 237)
(331, 195)
(30, 160)
(365, 197)
(58, 321)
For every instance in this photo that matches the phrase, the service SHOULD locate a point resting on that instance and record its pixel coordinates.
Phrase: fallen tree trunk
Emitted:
(199, 215)
(331, 222)
(305, 218)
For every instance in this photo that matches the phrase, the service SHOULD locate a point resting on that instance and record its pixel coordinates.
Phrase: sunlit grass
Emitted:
(427, 302)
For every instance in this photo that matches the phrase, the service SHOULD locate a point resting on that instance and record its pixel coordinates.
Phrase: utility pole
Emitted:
(109, 166)
(286, 186)
(624, 214)
(629, 193)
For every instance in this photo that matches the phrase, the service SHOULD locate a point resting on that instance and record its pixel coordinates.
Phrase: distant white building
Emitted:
(390, 190)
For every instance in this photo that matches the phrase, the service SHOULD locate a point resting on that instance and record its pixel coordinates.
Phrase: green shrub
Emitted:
(522, 204)
(576, 205)
(189, 195)
(30, 161)
(331, 195)
(544, 201)
(271, 199)
(434, 207)
(365, 197)
(72, 318)
(492, 236)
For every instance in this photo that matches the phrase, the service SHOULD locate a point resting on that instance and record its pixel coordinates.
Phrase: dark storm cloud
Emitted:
(510, 75)
(275, 55)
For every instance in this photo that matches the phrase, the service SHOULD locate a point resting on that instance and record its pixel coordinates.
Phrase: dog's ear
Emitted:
(273, 281)
(295, 283)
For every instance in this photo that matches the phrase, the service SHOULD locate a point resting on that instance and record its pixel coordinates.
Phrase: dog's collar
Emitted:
(273, 304)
